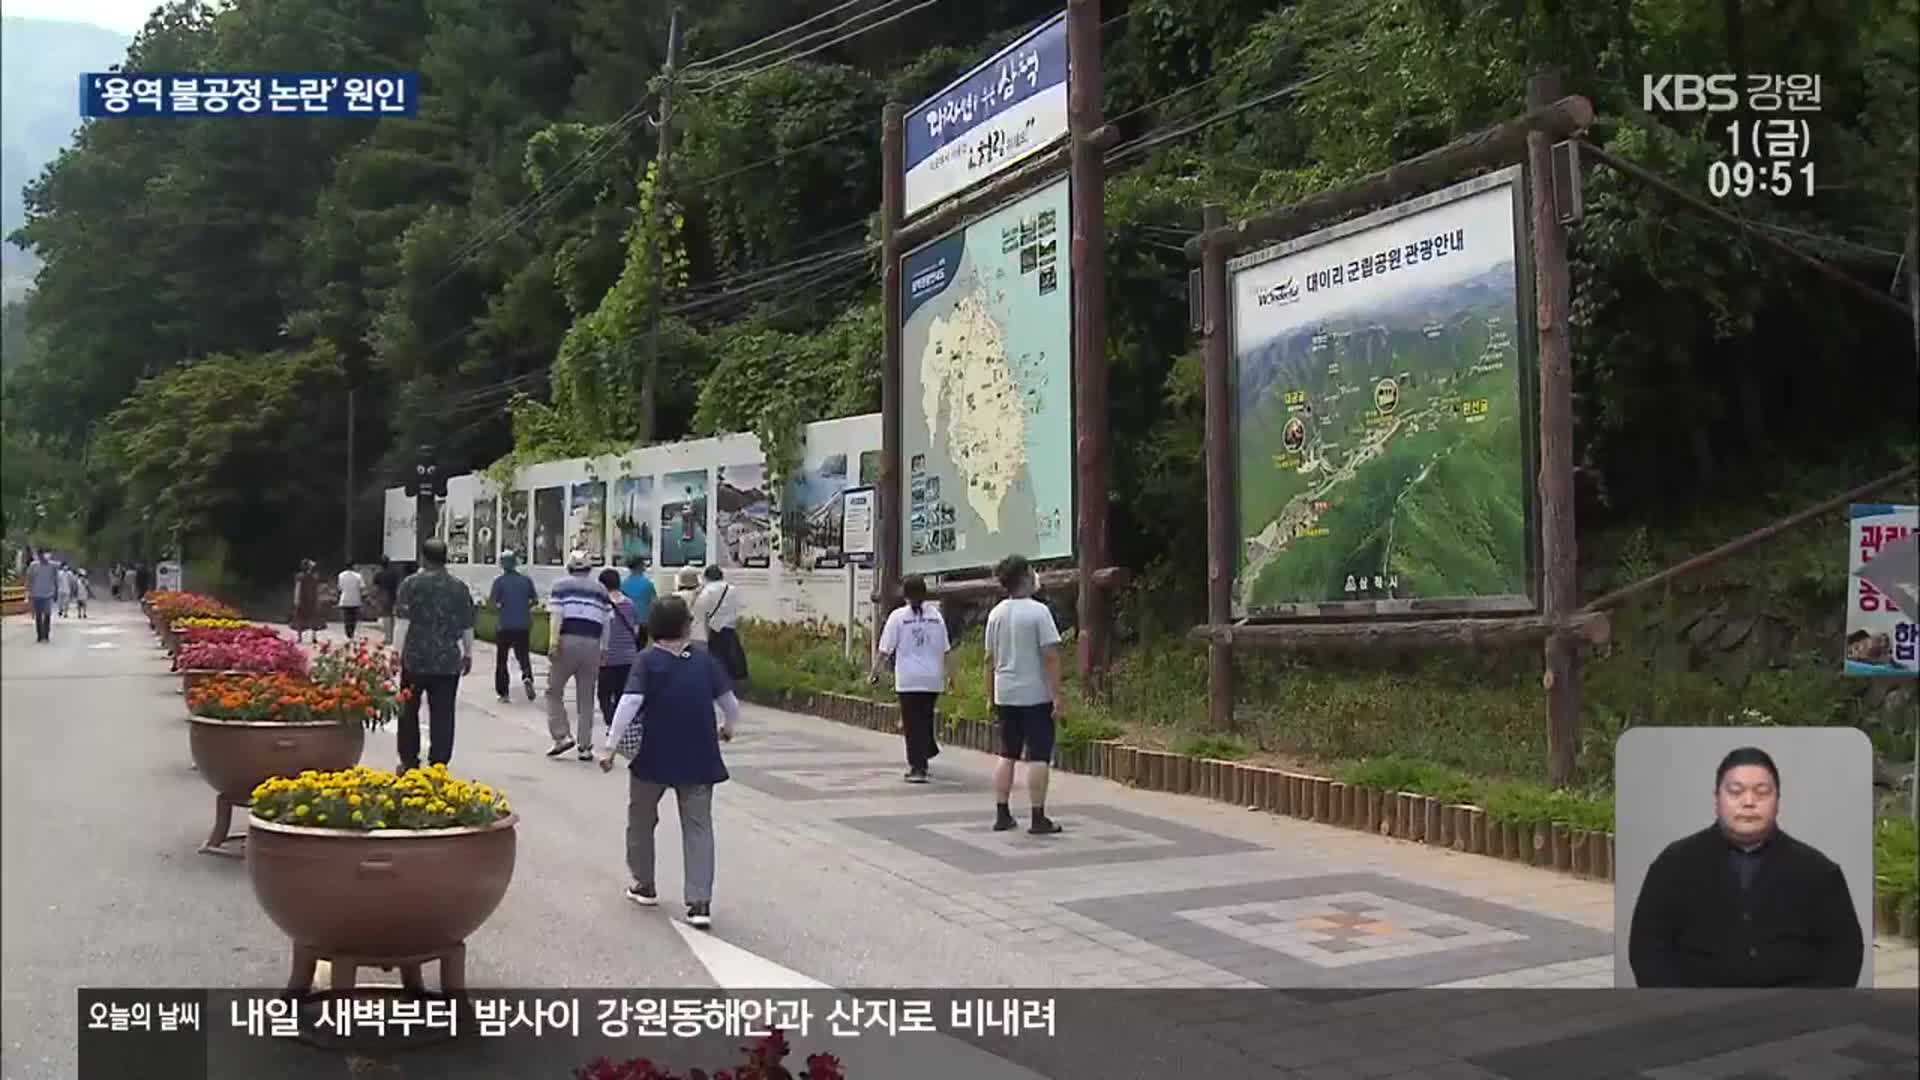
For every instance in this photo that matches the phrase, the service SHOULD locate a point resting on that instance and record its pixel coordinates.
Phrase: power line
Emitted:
(797, 42)
(810, 20)
(724, 83)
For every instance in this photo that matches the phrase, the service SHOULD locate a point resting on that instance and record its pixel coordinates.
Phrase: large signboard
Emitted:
(1883, 625)
(986, 412)
(990, 119)
(1385, 439)
(744, 511)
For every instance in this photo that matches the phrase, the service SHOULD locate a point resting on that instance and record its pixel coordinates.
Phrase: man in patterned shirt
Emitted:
(436, 648)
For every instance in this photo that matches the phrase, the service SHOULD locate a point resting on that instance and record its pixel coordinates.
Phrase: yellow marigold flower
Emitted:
(353, 800)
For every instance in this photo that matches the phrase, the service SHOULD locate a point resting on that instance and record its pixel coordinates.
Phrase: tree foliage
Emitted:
(261, 267)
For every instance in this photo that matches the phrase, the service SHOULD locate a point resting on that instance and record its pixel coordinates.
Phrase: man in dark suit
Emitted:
(1742, 904)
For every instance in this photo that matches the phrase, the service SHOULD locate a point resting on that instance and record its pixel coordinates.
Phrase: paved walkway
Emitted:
(832, 872)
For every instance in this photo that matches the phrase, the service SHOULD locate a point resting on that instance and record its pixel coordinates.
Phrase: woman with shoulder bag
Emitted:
(665, 727)
(620, 643)
(718, 612)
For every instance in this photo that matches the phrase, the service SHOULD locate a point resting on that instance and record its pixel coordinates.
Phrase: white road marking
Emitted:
(935, 1057)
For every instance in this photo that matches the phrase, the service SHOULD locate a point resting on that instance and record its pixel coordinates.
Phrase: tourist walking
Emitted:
(1023, 682)
(82, 592)
(306, 601)
(638, 588)
(69, 587)
(914, 645)
(386, 583)
(665, 726)
(43, 590)
(578, 609)
(717, 612)
(512, 598)
(619, 645)
(435, 651)
(142, 580)
(352, 586)
(687, 588)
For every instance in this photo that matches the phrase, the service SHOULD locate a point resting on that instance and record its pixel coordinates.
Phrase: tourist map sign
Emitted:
(1382, 411)
(1883, 591)
(986, 411)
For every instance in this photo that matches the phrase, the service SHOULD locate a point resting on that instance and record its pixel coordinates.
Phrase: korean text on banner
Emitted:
(1883, 556)
(990, 119)
(112, 95)
(858, 515)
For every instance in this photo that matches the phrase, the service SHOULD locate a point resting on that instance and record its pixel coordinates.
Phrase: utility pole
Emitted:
(650, 378)
(346, 548)
(1088, 258)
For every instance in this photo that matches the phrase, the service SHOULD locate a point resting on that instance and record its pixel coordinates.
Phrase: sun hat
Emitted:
(578, 563)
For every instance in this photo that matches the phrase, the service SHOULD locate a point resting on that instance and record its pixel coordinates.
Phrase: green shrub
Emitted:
(1078, 730)
(1896, 861)
(1531, 804)
(1399, 773)
(1216, 747)
(486, 624)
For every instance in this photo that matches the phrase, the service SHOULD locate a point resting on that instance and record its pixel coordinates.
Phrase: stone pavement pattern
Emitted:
(830, 869)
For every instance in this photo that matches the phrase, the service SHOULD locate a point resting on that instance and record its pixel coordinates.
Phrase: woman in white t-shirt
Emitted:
(914, 647)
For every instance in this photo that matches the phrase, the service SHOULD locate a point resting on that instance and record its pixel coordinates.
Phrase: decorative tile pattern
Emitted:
(1753, 1035)
(864, 779)
(1093, 836)
(1345, 931)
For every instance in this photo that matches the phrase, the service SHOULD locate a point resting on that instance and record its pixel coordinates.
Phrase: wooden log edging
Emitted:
(1403, 815)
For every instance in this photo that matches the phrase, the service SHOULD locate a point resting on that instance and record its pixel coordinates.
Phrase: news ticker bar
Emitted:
(113, 95)
(199, 1034)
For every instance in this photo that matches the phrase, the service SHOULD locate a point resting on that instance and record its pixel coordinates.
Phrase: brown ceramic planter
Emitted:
(386, 892)
(234, 756)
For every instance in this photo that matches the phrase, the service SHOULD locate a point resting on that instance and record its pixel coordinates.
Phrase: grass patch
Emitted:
(486, 627)
(1214, 747)
(1397, 773)
(1896, 862)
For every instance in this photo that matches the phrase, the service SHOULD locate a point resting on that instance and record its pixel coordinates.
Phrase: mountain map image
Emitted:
(1383, 439)
(987, 387)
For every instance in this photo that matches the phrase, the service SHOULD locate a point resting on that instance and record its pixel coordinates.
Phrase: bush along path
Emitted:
(1401, 798)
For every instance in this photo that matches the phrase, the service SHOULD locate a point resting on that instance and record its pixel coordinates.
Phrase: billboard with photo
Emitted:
(743, 510)
(486, 530)
(1383, 413)
(549, 526)
(587, 520)
(516, 531)
(633, 519)
(683, 519)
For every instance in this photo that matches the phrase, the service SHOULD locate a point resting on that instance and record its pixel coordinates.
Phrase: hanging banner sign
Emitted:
(990, 119)
(1883, 593)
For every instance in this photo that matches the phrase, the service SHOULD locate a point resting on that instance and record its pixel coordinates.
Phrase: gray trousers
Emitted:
(575, 657)
(696, 834)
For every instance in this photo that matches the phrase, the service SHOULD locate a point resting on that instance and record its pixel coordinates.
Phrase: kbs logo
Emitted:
(1689, 93)
(1286, 292)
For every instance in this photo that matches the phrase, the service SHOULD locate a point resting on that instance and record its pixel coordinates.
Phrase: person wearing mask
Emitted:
(622, 641)
(512, 598)
(1024, 685)
(43, 590)
(687, 588)
(435, 651)
(914, 647)
(665, 726)
(578, 610)
(717, 612)
(306, 601)
(352, 587)
(638, 588)
(386, 584)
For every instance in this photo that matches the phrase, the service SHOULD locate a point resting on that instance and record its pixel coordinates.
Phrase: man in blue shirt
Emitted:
(513, 597)
(639, 589)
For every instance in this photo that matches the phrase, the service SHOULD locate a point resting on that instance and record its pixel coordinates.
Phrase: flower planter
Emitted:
(234, 756)
(191, 679)
(383, 894)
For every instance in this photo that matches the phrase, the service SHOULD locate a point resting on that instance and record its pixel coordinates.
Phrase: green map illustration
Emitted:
(1384, 453)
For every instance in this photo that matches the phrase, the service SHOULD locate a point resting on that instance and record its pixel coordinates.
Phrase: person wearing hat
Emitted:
(512, 598)
(578, 610)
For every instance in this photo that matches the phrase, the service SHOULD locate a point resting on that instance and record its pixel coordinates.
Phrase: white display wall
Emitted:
(683, 504)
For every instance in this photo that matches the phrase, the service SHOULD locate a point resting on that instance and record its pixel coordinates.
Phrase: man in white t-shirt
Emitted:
(1024, 684)
(914, 645)
(351, 587)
